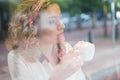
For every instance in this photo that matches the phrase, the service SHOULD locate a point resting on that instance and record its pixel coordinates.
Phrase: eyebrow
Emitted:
(52, 17)
(55, 16)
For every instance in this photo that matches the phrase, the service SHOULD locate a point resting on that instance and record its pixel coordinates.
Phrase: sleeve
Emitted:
(17, 68)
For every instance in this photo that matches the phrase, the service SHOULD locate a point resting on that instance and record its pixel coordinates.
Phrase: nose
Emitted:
(60, 25)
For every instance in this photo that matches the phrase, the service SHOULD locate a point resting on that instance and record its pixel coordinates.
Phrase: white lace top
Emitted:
(21, 70)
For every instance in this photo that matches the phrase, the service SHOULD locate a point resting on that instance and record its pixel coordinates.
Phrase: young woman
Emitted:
(38, 50)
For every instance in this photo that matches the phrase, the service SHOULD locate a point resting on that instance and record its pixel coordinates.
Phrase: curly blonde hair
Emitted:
(22, 29)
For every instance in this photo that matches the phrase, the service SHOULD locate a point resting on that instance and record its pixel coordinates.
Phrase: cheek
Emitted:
(50, 35)
(50, 32)
(53, 35)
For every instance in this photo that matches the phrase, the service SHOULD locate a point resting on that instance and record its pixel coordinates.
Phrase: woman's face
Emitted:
(51, 26)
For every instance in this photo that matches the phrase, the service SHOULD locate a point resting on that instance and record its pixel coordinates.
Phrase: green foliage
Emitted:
(4, 5)
(71, 6)
(117, 3)
(77, 6)
(91, 5)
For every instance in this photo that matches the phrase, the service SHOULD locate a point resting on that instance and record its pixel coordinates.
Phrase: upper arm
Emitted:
(17, 68)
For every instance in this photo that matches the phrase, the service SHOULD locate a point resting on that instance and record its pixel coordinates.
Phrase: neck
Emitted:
(49, 52)
(47, 49)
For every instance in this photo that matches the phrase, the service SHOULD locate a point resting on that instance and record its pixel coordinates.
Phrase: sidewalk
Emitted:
(106, 61)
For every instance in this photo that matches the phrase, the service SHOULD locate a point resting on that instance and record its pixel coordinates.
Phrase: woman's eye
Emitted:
(52, 22)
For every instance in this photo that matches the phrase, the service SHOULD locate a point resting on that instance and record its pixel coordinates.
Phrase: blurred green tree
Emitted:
(85, 6)
(77, 6)
(72, 7)
(91, 6)
(117, 3)
(106, 9)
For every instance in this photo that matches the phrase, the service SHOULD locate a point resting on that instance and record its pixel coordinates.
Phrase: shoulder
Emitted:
(27, 55)
(14, 56)
(17, 67)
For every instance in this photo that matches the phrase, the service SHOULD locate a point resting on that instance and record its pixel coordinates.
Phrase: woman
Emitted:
(38, 48)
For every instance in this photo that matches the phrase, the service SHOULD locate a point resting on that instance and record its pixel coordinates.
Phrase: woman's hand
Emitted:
(73, 60)
(72, 54)
(70, 63)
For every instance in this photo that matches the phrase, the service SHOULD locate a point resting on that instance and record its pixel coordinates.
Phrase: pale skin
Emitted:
(53, 32)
